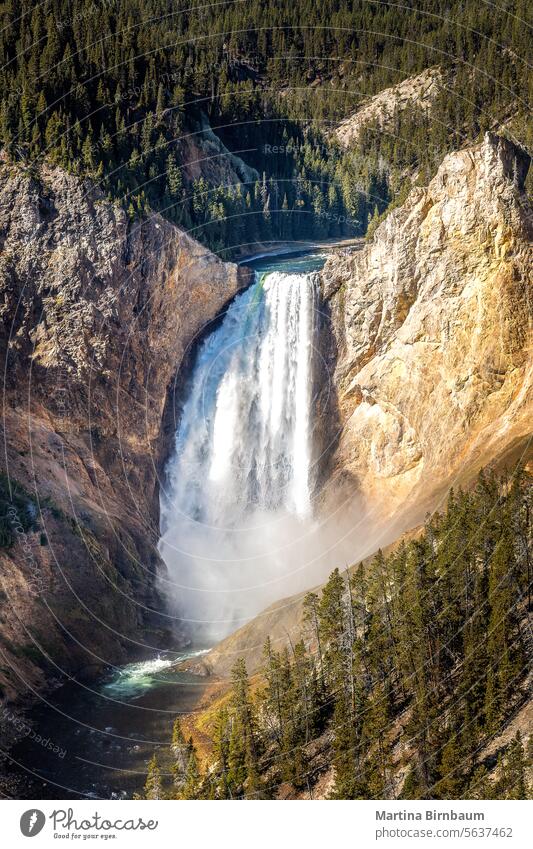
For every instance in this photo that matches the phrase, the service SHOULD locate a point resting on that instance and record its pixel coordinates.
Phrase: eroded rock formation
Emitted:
(382, 110)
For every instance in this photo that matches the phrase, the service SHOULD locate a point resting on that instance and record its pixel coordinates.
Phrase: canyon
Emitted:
(426, 345)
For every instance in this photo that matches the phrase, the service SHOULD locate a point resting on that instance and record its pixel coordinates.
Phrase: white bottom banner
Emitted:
(276, 825)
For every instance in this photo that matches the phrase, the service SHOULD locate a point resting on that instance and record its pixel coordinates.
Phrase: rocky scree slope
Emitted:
(97, 314)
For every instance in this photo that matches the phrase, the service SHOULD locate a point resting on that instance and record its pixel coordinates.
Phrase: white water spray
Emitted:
(237, 514)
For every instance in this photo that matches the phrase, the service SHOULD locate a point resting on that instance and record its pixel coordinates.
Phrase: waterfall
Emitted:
(239, 489)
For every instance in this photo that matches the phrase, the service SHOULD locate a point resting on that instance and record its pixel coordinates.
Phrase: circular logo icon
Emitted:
(32, 822)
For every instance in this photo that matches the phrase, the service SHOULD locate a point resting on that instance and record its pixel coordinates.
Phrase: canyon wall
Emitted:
(432, 326)
(97, 314)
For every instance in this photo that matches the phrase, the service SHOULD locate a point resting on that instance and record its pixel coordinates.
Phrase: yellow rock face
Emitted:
(433, 328)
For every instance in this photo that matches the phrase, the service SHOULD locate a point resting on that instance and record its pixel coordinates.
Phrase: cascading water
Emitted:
(240, 482)
(244, 440)
(241, 479)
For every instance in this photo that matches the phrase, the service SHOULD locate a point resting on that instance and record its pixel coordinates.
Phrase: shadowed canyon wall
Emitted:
(97, 314)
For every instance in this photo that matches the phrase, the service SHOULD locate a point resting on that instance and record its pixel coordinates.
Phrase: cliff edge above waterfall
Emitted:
(97, 315)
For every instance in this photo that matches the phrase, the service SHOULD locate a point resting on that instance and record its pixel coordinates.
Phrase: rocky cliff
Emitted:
(382, 110)
(97, 315)
(432, 326)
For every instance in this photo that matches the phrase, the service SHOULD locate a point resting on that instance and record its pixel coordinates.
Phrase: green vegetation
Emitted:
(122, 89)
(406, 671)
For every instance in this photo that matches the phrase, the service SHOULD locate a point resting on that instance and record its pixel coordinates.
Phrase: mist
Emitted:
(218, 579)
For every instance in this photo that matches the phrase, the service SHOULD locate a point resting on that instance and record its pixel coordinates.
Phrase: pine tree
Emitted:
(181, 752)
(480, 786)
(310, 612)
(221, 752)
(503, 659)
(450, 784)
(153, 788)
(512, 782)
(192, 786)
(244, 741)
